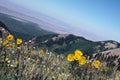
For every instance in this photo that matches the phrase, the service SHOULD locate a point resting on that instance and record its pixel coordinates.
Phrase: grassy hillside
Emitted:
(65, 45)
(22, 28)
(62, 45)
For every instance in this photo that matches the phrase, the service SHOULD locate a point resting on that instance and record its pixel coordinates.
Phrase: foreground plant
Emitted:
(22, 61)
(26, 62)
(84, 69)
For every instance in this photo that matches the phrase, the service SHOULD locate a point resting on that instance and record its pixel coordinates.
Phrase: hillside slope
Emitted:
(67, 43)
(59, 43)
(22, 28)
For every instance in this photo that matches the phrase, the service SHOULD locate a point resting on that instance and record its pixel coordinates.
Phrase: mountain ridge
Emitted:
(26, 28)
(67, 43)
(59, 43)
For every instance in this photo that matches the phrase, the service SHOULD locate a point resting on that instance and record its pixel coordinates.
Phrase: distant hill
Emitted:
(59, 43)
(67, 43)
(22, 28)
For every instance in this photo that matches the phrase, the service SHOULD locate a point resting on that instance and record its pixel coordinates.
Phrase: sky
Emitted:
(99, 17)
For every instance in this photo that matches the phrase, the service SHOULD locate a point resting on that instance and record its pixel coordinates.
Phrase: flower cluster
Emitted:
(9, 40)
(10, 55)
(78, 56)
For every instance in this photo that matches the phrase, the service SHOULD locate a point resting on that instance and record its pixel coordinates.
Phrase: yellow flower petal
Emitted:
(70, 57)
(42, 51)
(78, 52)
(6, 59)
(83, 60)
(10, 37)
(77, 57)
(16, 62)
(5, 43)
(19, 41)
(96, 64)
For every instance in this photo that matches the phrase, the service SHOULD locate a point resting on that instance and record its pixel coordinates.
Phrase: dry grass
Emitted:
(25, 62)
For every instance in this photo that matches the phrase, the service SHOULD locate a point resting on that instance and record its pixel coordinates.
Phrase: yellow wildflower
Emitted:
(5, 43)
(41, 51)
(83, 60)
(16, 63)
(70, 57)
(6, 59)
(10, 37)
(96, 64)
(19, 41)
(78, 52)
(59, 78)
(77, 57)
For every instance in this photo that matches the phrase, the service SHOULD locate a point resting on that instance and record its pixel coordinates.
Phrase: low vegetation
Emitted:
(22, 61)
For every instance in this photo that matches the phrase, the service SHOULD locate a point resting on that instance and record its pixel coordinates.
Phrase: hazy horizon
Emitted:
(97, 20)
